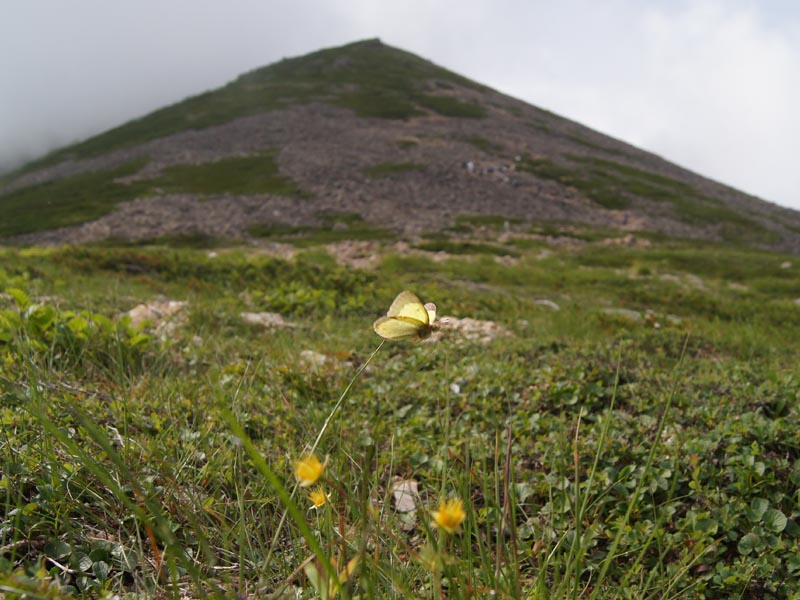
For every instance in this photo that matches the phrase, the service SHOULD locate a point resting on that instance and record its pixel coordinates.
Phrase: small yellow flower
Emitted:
(318, 497)
(308, 470)
(450, 515)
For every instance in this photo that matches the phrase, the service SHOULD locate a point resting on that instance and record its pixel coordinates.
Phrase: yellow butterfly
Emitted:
(408, 319)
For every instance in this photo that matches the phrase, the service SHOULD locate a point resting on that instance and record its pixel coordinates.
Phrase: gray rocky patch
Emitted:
(328, 151)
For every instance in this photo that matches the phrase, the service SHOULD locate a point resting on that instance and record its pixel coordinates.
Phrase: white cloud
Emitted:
(708, 85)
(730, 87)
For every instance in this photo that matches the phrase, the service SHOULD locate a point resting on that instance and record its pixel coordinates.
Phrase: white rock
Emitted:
(547, 303)
(266, 319)
(406, 499)
(156, 312)
(313, 360)
(470, 329)
(625, 313)
(405, 493)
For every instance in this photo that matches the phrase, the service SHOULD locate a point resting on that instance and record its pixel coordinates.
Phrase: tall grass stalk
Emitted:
(284, 495)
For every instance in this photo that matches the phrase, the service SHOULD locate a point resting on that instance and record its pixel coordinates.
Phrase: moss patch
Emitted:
(334, 228)
(449, 106)
(89, 196)
(452, 247)
(246, 175)
(381, 104)
(68, 201)
(614, 185)
(484, 145)
(493, 221)
(391, 168)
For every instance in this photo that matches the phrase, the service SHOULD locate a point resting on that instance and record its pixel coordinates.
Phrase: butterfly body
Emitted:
(407, 319)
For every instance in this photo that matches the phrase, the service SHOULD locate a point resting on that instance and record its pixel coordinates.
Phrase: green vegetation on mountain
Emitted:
(484, 145)
(451, 107)
(331, 228)
(87, 196)
(469, 248)
(615, 185)
(241, 175)
(391, 168)
(69, 201)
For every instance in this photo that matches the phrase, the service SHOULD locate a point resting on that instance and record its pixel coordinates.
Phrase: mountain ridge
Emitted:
(369, 130)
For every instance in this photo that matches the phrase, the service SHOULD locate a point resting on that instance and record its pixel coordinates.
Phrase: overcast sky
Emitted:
(713, 85)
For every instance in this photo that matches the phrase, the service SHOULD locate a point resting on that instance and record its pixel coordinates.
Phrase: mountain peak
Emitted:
(370, 130)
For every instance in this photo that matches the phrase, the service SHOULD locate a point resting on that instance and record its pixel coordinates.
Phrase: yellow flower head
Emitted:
(308, 470)
(450, 515)
(318, 497)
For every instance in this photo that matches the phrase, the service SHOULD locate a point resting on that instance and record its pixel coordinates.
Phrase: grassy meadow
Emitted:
(631, 431)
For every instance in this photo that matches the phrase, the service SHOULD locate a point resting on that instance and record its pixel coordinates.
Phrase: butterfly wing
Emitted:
(408, 306)
(407, 319)
(399, 329)
(430, 308)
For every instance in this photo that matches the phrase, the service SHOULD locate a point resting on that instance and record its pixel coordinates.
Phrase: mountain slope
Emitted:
(367, 132)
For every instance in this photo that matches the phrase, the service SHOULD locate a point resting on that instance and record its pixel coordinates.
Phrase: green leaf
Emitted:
(20, 297)
(792, 528)
(9, 321)
(57, 549)
(775, 520)
(708, 525)
(125, 559)
(759, 506)
(100, 554)
(523, 491)
(101, 570)
(85, 563)
(77, 324)
(748, 543)
(138, 340)
(318, 580)
(41, 317)
(103, 322)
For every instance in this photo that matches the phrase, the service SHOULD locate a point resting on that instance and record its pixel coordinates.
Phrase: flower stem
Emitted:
(343, 396)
